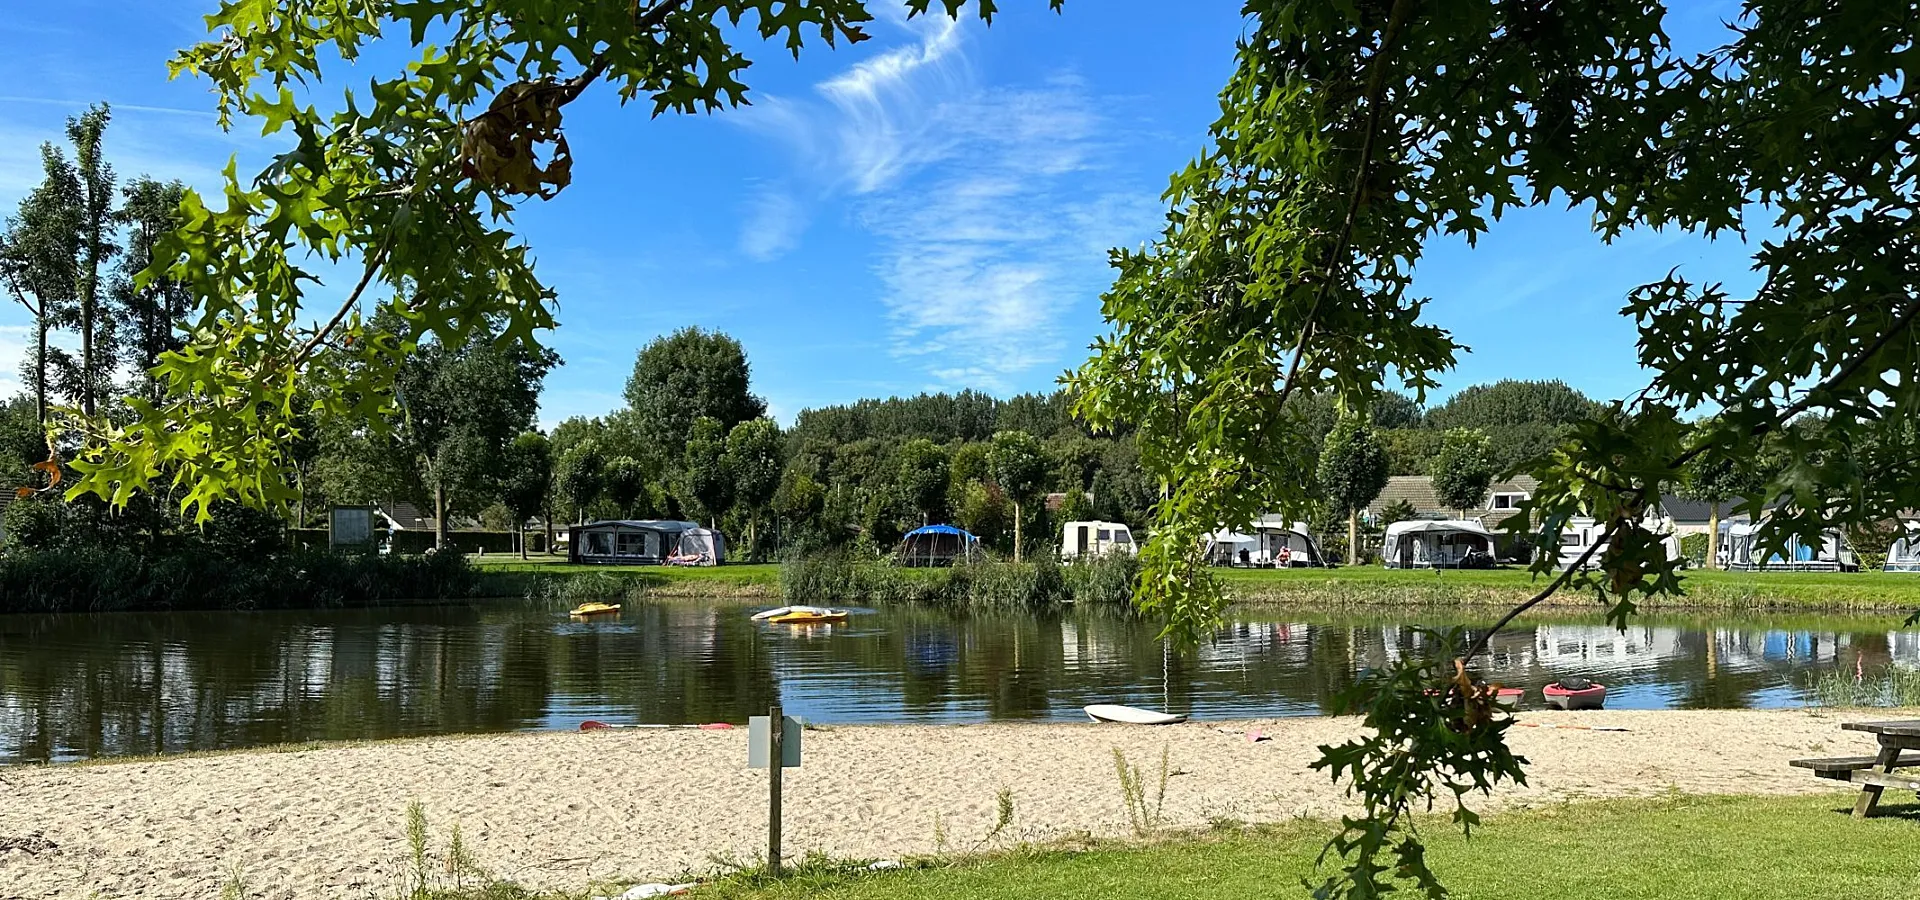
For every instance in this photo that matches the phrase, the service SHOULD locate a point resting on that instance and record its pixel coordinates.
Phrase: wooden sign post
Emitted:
(773, 748)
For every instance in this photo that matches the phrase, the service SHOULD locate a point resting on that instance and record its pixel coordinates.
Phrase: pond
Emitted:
(79, 686)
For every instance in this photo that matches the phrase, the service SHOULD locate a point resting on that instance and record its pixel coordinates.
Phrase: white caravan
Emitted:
(1078, 539)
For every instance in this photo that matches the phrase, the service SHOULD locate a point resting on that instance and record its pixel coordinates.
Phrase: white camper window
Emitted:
(1123, 536)
(1106, 534)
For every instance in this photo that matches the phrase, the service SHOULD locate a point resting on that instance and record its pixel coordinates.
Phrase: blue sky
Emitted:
(929, 210)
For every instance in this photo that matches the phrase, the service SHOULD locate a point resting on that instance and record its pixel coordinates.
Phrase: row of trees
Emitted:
(69, 255)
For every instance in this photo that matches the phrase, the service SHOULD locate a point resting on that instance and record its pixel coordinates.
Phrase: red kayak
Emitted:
(1509, 697)
(1592, 696)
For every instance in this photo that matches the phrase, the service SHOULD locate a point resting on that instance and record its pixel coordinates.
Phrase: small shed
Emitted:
(1438, 544)
(935, 545)
(646, 542)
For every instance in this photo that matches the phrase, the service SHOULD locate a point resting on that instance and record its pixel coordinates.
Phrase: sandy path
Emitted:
(558, 809)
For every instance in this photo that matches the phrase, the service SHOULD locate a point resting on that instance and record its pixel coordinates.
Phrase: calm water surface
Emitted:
(77, 686)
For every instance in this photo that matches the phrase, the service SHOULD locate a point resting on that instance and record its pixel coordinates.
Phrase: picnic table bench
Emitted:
(1874, 773)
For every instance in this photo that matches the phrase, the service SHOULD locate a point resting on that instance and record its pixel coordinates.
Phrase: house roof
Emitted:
(1417, 490)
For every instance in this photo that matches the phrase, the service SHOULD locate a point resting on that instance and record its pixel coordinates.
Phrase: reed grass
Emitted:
(1884, 686)
(989, 584)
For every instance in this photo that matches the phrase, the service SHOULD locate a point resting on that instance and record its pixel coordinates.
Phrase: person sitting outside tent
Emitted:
(1246, 558)
(1285, 560)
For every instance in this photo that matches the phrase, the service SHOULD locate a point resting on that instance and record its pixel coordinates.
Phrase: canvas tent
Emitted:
(1227, 547)
(1904, 555)
(935, 545)
(1438, 544)
(1740, 551)
(645, 542)
(1275, 533)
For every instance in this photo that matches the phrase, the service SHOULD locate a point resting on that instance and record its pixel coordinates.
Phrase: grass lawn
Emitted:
(1368, 585)
(1677, 848)
(1360, 586)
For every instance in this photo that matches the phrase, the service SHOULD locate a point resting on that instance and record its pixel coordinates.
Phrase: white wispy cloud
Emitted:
(992, 208)
(773, 225)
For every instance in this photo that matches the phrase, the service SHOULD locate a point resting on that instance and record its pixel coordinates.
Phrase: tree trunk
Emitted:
(1016, 531)
(439, 515)
(1713, 536)
(753, 535)
(1353, 537)
(520, 533)
(40, 367)
(546, 518)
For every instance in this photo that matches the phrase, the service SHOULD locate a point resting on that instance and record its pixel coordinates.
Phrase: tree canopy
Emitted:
(681, 378)
(412, 180)
(1353, 134)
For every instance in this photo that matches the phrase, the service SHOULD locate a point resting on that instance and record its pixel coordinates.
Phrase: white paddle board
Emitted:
(1110, 712)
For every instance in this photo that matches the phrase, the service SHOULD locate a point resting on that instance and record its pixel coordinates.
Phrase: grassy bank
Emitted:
(554, 578)
(1710, 590)
(1679, 847)
(831, 581)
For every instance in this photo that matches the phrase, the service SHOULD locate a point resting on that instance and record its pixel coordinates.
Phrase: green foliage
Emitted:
(1886, 685)
(1352, 134)
(1017, 464)
(682, 378)
(101, 578)
(703, 468)
(1397, 511)
(1463, 469)
(1522, 419)
(527, 476)
(624, 483)
(984, 584)
(581, 475)
(1694, 548)
(1353, 466)
(149, 314)
(1144, 815)
(923, 478)
(414, 178)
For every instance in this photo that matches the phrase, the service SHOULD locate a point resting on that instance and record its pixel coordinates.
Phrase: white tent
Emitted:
(1225, 546)
(1272, 533)
(1437, 544)
(1904, 555)
(700, 547)
(1740, 551)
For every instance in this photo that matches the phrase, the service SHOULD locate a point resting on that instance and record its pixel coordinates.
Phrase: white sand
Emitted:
(556, 810)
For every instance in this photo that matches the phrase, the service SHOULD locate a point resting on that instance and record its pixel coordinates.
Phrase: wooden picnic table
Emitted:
(1874, 773)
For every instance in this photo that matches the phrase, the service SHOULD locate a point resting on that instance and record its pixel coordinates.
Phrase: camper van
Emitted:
(1080, 539)
(1582, 533)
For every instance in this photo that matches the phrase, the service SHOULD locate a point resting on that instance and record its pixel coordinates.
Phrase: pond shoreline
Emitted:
(556, 810)
(1337, 589)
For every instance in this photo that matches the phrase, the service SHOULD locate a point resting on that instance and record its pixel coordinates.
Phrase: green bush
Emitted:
(982, 584)
(1694, 548)
(1104, 581)
(97, 579)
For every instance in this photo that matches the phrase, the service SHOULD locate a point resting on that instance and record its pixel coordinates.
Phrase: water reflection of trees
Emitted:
(149, 683)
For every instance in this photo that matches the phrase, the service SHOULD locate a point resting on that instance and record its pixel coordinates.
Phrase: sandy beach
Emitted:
(556, 810)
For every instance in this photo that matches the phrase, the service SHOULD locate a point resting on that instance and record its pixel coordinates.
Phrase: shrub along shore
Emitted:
(101, 579)
(1004, 584)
